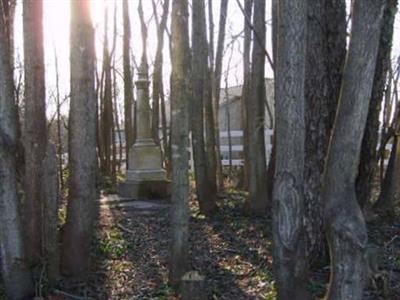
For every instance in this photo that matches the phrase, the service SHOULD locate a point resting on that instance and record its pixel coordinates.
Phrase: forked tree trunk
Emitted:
(369, 156)
(77, 234)
(128, 85)
(35, 133)
(344, 222)
(180, 94)
(326, 52)
(16, 275)
(205, 191)
(258, 195)
(288, 201)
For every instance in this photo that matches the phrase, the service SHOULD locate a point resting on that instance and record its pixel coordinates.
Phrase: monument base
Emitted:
(142, 190)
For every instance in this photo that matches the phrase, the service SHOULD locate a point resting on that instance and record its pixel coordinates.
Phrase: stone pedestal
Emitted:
(145, 178)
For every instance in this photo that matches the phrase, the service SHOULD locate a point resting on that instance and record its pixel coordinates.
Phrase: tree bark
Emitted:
(106, 115)
(248, 7)
(209, 120)
(369, 157)
(16, 275)
(288, 201)
(344, 222)
(77, 233)
(50, 194)
(205, 191)
(216, 87)
(158, 92)
(180, 82)
(389, 197)
(258, 196)
(128, 85)
(35, 134)
(326, 53)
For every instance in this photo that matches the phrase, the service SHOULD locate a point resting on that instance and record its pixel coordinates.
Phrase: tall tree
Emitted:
(180, 82)
(288, 201)
(258, 196)
(158, 87)
(106, 109)
(82, 144)
(248, 7)
(326, 53)
(345, 225)
(209, 120)
(205, 191)
(216, 84)
(369, 157)
(14, 270)
(128, 84)
(35, 133)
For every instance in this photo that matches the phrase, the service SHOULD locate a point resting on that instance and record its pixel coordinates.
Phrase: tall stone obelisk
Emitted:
(145, 178)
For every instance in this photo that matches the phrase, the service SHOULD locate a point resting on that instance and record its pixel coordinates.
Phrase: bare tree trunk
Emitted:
(389, 197)
(77, 233)
(248, 7)
(288, 201)
(128, 85)
(326, 53)
(344, 222)
(216, 87)
(59, 137)
(35, 134)
(258, 196)
(204, 187)
(114, 113)
(209, 120)
(16, 275)
(180, 82)
(158, 70)
(50, 194)
(106, 116)
(369, 157)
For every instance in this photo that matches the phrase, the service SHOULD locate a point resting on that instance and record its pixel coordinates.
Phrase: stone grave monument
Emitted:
(145, 178)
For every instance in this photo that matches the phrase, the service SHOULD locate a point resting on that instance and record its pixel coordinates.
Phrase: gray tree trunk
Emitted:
(16, 275)
(77, 233)
(209, 120)
(389, 197)
(258, 196)
(326, 53)
(158, 67)
(288, 201)
(205, 191)
(344, 222)
(50, 194)
(106, 109)
(369, 156)
(35, 133)
(128, 85)
(248, 7)
(180, 94)
(216, 86)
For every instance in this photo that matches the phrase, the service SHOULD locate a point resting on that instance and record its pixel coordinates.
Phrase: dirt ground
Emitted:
(232, 251)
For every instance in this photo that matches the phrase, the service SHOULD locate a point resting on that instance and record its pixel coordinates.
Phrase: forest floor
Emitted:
(232, 250)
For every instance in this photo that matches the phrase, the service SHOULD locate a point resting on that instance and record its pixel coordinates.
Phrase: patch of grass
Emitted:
(112, 245)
